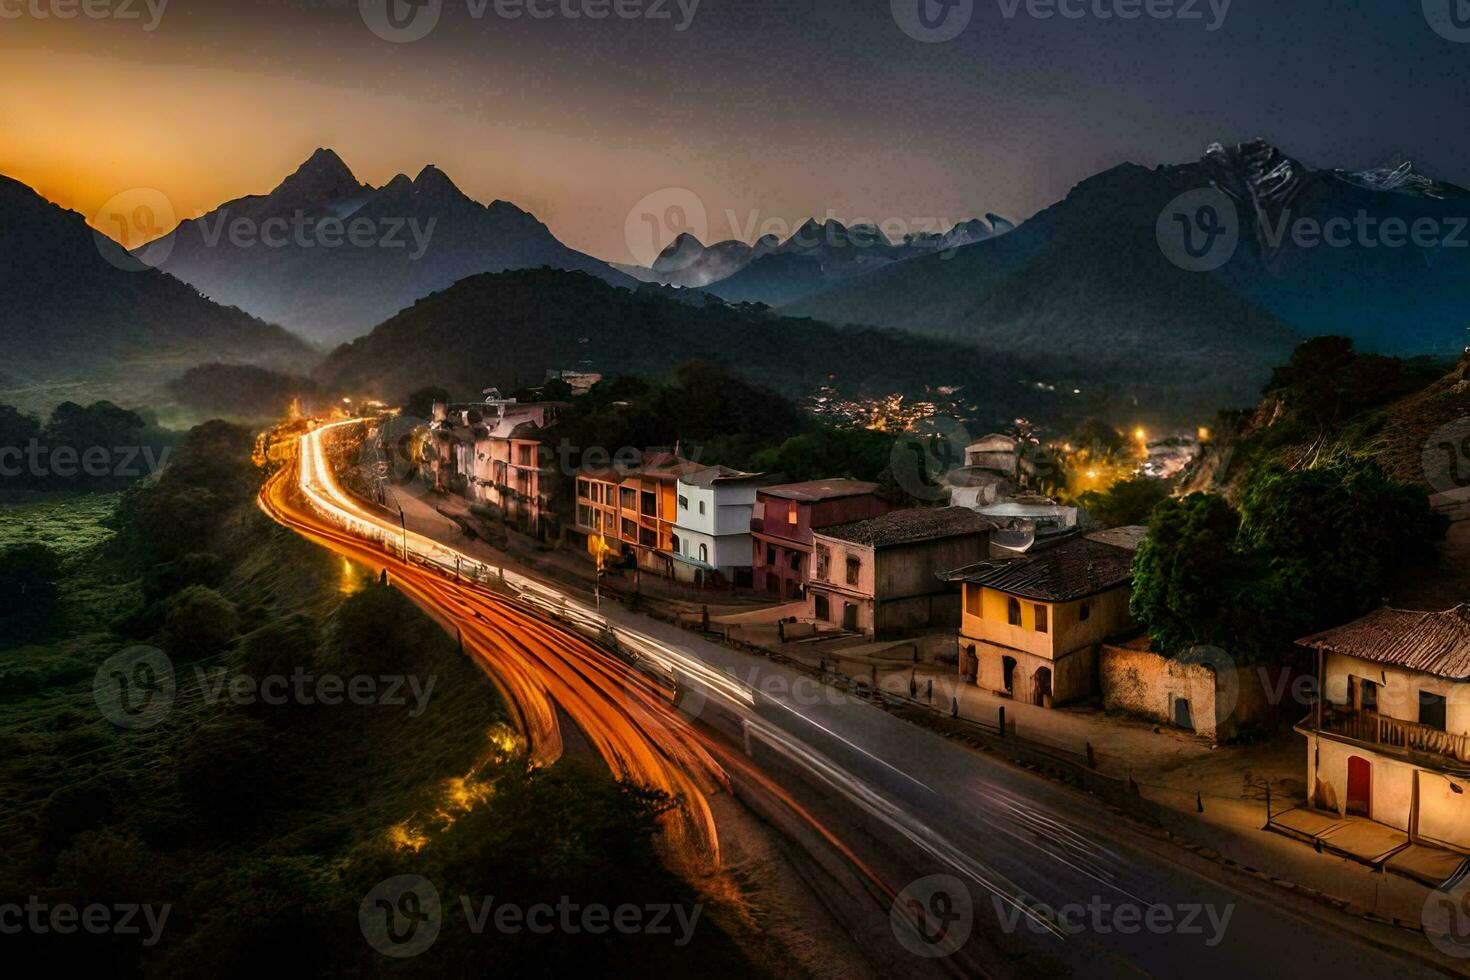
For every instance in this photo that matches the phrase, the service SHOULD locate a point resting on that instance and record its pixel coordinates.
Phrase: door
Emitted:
(1360, 787)
(1043, 688)
(849, 617)
(1183, 717)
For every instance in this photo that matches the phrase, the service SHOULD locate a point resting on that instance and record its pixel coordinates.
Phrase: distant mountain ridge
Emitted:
(1087, 278)
(79, 309)
(414, 236)
(813, 257)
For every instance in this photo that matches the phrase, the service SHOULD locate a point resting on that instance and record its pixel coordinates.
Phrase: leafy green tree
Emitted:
(1345, 532)
(199, 623)
(28, 577)
(1125, 503)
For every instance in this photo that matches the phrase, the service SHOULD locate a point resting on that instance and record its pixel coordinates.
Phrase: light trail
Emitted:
(539, 664)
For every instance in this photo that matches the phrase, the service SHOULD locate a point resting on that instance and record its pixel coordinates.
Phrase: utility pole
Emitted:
(403, 521)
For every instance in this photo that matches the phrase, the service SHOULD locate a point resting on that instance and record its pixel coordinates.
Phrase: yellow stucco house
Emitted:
(1389, 739)
(1032, 625)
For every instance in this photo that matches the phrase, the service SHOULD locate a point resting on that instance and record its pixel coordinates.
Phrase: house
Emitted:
(999, 454)
(1031, 626)
(712, 543)
(782, 522)
(497, 453)
(1389, 739)
(1033, 512)
(879, 575)
(632, 508)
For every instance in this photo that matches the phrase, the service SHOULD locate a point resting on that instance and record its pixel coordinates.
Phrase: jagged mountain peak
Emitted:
(323, 177)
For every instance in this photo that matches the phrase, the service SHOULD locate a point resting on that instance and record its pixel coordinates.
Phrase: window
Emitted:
(586, 516)
(1369, 693)
(1013, 612)
(648, 537)
(523, 456)
(629, 498)
(676, 546)
(701, 506)
(770, 555)
(824, 562)
(684, 503)
(796, 561)
(630, 530)
(972, 600)
(854, 570)
(649, 503)
(1431, 710)
(1040, 619)
(823, 610)
(609, 522)
(791, 515)
(584, 490)
(704, 553)
(1084, 614)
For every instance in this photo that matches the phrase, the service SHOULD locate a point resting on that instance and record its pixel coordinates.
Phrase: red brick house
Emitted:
(783, 520)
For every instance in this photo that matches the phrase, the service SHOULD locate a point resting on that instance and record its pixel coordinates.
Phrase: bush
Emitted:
(198, 623)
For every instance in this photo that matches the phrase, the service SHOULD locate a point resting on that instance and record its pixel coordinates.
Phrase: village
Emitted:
(1006, 619)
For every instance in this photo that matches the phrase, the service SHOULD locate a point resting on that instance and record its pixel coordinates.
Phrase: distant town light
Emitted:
(1140, 435)
(1204, 433)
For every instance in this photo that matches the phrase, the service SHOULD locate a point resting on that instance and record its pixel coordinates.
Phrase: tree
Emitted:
(1125, 503)
(1191, 586)
(199, 623)
(1097, 436)
(1345, 532)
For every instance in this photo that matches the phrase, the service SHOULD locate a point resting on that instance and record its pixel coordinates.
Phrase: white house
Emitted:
(712, 543)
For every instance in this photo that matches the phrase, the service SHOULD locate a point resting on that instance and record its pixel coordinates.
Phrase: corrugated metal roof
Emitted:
(1072, 570)
(814, 490)
(910, 526)
(1432, 642)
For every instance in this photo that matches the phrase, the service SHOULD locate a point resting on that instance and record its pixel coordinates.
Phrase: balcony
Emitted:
(1405, 738)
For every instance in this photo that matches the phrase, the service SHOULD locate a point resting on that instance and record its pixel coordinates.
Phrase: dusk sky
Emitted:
(773, 111)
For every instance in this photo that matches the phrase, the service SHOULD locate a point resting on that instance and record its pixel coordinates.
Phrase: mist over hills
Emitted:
(79, 310)
(330, 256)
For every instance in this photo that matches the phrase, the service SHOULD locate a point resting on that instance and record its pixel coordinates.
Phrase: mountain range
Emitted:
(291, 255)
(79, 310)
(813, 257)
(507, 329)
(1087, 278)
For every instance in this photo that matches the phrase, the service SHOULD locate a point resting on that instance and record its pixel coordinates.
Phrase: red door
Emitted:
(1360, 787)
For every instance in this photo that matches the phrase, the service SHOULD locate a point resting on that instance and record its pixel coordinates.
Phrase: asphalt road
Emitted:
(998, 870)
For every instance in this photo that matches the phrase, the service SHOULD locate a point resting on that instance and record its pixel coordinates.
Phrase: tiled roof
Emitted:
(1433, 642)
(711, 475)
(1072, 570)
(814, 490)
(910, 526)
